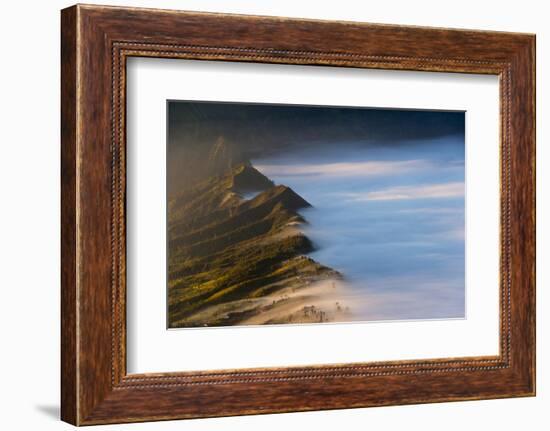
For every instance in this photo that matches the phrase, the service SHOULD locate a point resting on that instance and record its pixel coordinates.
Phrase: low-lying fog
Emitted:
(390, 218)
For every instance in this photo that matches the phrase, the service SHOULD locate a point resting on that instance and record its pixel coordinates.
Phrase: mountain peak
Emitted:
(292, 199)
(222, 156)
(246, 178)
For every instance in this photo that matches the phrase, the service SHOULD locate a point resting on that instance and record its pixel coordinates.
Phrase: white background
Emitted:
(151, 348)
(29, 224)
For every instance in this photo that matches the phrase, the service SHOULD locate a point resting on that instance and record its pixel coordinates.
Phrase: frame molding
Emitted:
(96, 41)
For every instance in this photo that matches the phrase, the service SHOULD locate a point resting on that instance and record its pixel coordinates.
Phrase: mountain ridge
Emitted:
(231, 259)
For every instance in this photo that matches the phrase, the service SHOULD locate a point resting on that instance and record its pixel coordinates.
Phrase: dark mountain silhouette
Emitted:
(263, 129)
(248, 179)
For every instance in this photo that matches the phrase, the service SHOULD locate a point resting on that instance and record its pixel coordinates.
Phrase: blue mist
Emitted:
(397, 235)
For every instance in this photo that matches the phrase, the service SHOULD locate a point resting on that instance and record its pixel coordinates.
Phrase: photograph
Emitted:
(298, 214)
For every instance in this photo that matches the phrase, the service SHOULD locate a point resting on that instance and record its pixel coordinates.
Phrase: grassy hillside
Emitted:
(229, 257)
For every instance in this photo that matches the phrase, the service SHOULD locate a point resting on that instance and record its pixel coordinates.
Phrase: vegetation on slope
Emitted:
(224, 249)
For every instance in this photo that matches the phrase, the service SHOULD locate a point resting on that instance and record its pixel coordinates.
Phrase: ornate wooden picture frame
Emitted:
(96, 41)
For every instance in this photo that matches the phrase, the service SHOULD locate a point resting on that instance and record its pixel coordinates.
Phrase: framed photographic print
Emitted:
(319, 214)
